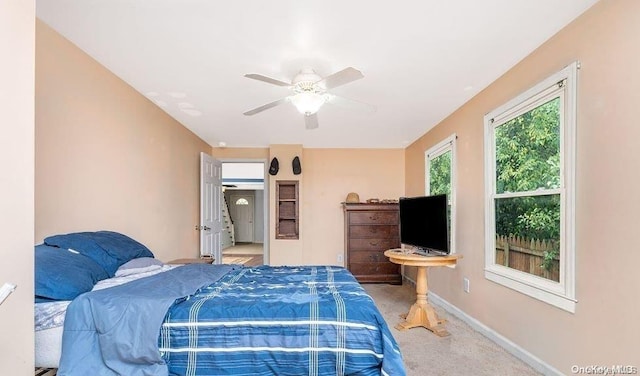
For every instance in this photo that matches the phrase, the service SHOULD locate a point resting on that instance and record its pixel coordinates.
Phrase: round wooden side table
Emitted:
(421, 312)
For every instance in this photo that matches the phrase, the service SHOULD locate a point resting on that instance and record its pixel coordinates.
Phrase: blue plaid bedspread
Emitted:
(282, 321)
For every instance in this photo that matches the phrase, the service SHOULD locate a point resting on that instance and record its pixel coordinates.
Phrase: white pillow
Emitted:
(138, 265)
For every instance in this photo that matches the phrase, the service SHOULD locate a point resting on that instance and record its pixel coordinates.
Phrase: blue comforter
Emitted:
(240, 321)
(114, 331)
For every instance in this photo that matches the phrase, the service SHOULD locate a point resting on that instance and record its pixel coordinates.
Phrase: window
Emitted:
(529, 185)
(242, 201)
(440, 178)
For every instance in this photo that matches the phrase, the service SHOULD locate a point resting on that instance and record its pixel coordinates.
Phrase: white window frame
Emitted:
(560, 294)
(448, 144)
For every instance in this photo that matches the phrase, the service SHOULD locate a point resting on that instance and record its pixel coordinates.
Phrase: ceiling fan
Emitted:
(310, 92)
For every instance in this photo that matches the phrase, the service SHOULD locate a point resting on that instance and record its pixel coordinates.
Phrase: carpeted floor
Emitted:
(464, 352)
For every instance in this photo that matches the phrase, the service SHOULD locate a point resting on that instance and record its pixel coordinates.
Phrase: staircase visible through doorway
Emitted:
(228, 235)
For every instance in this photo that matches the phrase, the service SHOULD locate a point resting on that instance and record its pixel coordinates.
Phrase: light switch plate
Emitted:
(5, 290)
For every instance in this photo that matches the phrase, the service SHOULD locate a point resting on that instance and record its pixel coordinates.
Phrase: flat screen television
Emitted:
(424, 224)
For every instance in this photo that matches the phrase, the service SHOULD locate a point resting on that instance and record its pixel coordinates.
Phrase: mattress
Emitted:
(48, 344)
(49, 320)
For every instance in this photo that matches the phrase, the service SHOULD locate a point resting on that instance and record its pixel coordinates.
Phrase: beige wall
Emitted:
(107, 158)
(17, 48)
(226, 154)
(329, 175)
(286, 251)
(103, 152)
(604, 329)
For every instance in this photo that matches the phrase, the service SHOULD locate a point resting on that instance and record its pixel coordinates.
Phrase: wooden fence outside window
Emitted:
(527, 255)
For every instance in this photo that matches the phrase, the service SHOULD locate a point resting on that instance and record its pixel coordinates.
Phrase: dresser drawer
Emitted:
(374, 217)
(374, 244)
(367, 268)
(367, 257)
(373, 231)
(369, 230)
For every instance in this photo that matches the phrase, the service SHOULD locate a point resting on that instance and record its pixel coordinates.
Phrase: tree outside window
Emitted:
(530, 184)
(527, 211)
(440, 177)
(440, 174)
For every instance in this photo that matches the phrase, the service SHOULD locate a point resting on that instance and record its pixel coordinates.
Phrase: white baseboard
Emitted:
(517, 351)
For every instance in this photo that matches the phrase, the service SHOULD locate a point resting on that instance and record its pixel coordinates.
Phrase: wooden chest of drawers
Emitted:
(369, 230)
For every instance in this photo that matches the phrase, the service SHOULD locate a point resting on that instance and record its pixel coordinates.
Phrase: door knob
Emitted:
(206, 228)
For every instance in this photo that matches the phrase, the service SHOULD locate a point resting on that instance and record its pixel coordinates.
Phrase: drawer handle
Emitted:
(374, 217)
(373, 230)
(373, 243)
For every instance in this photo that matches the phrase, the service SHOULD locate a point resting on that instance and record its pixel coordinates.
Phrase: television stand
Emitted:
(421, 312)
(426, 252)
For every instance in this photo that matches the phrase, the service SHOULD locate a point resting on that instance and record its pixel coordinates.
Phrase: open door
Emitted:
(210, 208)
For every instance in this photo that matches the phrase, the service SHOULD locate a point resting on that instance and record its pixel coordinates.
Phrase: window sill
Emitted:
(554, 298)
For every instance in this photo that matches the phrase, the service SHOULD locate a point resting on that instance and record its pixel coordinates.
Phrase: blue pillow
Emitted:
(107, 248)
(62, 275)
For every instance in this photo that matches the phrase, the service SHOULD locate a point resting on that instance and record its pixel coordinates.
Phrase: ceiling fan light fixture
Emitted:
(310, 92)
(308, 102)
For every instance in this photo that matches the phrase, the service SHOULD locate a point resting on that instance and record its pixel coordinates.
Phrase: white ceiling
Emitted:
(422, 59)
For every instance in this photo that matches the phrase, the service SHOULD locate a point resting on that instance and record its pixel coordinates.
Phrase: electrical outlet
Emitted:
(465, 284)
(340, 258)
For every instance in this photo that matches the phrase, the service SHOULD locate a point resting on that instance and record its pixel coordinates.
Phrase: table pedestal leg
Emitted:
(421, 312)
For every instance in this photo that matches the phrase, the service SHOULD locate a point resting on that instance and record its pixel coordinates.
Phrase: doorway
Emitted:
(245, 197)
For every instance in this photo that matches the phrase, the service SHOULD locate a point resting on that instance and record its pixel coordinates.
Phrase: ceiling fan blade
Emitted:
(266, 106)
(270, 80)
(311, 121)
(340, 78)
(349, 103)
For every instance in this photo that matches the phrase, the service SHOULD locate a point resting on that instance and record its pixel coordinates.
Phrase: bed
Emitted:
(203, 319)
